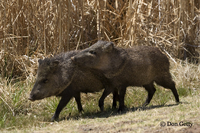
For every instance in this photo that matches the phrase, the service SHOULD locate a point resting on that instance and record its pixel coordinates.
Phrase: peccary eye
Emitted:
(92, 52)
(45, 81)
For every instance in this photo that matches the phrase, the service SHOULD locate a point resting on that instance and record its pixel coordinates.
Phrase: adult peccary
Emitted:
(57, 76)
(138, 66)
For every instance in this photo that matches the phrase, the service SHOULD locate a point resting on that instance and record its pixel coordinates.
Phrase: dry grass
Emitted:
(186, 74)
(147, 120)
(32, 29)
(20, 115)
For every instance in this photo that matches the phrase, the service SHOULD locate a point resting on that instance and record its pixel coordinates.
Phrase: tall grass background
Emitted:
(34, 29)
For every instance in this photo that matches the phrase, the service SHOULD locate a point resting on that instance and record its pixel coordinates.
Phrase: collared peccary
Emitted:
(58, 76)
(138, 66)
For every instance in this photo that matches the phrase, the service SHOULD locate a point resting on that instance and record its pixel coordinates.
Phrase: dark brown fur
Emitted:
(57, 76)
(138, 66)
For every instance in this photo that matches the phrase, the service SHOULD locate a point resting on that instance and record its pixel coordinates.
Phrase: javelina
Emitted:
(138, 66)
(57, 76)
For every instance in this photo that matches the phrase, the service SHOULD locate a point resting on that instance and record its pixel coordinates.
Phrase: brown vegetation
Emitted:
(32, 29)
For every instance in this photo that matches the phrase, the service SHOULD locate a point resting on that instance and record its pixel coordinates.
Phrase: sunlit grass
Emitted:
(18, 112)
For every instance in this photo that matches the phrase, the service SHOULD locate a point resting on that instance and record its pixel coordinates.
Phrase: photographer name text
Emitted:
(182, 123)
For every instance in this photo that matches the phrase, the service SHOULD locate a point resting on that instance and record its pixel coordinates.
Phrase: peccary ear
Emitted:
(40, 61)
(54, 64)
(108, 47)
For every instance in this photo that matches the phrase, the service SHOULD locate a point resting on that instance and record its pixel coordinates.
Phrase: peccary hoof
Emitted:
(81, 110)
(54, 118)
(114, 107)
(102, 108)
(120, 109)
(145, 104)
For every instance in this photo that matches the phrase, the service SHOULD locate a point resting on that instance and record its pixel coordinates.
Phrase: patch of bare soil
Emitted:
(106, 128)
(121, 127)
(193, 129)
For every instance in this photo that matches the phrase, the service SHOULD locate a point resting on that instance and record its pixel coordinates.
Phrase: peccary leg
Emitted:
(122, 93)
(106, 92)
(63, 102)
(78, 101)
(167, 82)
(115, 98)
(151, 90)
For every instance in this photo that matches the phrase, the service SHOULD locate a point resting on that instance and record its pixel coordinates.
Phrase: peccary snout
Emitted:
(32, 97)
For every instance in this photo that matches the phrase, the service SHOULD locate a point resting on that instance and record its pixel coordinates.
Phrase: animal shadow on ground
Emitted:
(113, 112)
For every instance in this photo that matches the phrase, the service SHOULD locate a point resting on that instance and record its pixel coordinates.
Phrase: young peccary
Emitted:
(57, 76)
(138, 66)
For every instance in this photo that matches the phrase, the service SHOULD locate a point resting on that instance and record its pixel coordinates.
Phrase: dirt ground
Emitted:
(193, 129)
(90, 128)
